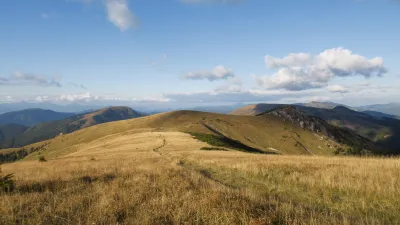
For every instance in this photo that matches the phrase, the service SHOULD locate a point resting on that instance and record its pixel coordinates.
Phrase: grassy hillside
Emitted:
(48, 130)
(144, 176)
(345, 136)
(382, 130)
(255, 109)
(267, 134)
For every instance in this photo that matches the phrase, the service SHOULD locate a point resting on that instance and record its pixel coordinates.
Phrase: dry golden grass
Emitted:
(266, 133)
(164, 178)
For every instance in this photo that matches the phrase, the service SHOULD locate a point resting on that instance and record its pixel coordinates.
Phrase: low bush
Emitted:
(7, 183)
(353, 152)
(213, 149)
(42, 159)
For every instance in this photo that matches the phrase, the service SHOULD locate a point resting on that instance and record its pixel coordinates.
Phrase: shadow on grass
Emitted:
(59, 185)
(222, 141)
(213, 149)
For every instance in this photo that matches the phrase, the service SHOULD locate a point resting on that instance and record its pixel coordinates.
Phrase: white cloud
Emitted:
(76, 97)
(7, 99)
(20, 78)
(151, 99)
(88, 97)
(293, 60)
(232, 85)
(355, 94)
(304, 71)
(338, 89)
(218, 73)
(43, 98)
(119, 14)
(293, 79)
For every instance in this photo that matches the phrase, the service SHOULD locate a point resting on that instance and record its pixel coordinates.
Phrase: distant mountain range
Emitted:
(28, 126)
(389, 109)
(392, 108)
(14, 135)
(69, 108)
(30, 117)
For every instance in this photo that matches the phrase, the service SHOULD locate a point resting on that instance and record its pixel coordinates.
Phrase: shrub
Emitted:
(213, 148)
(353, 151)
(7, 183)
(42, 159)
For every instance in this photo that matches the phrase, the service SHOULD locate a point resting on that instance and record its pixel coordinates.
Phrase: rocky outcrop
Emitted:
(295, 116)
(345, 136)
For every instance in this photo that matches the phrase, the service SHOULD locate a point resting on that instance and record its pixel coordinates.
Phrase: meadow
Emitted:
(165, 178)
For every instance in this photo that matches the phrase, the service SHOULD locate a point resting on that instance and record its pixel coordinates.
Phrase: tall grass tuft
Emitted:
(7, 183)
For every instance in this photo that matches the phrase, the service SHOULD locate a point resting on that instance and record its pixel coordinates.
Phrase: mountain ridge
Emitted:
(30, 117)
(384, 131)
(264, 134)
(51, 129)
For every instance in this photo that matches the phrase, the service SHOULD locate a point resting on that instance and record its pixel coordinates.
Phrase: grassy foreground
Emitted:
(175, 183)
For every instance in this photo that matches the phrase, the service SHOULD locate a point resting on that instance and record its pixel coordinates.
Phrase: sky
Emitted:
(183, 53)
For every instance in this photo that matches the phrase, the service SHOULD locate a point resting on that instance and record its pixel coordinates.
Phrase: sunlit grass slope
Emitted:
(266, 133)
(145, 176)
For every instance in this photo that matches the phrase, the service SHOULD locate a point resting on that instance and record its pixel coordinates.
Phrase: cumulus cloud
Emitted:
(302, 71)
(338, 89)
(293, 79)
(218, 73)
(293, 60)
(19, 78)
(119, 14)
(77, 97)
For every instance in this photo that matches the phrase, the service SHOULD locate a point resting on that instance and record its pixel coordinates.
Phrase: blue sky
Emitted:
(196, 52)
